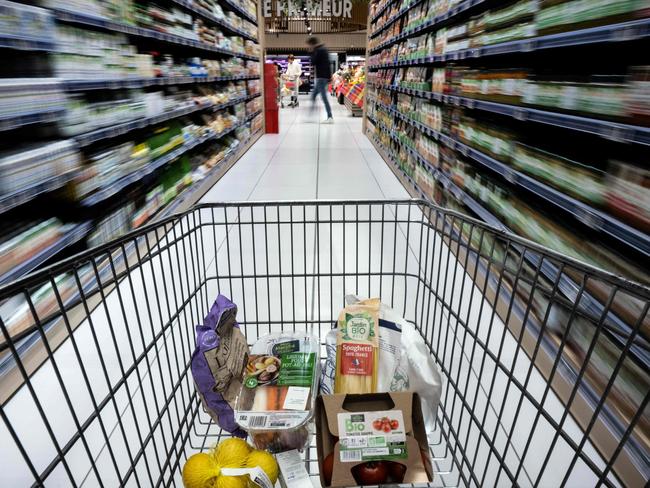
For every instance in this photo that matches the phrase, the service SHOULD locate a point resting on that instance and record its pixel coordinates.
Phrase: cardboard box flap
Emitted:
(344, 402)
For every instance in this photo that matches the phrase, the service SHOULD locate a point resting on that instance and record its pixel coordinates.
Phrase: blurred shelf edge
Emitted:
(108, 132)
(158, 163)
(435, 22)
(101, 23)
(624, 31)
(26, 43)
(24, 195)
(41, 116)
(82, 85)
(594, 218)
(73, 235)
(203, 13)
(614, 131)
(73, 85)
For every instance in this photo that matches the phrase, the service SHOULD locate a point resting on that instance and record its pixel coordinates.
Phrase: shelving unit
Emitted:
(594, 218)
(205, 89)
(448, 109)
(91, 21)
(85, 85)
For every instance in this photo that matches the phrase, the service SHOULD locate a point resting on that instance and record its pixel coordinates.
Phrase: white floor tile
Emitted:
(287, 155)
(336, 155)
(277, 192)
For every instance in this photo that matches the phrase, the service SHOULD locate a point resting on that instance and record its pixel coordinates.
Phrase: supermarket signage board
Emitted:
(315, 8)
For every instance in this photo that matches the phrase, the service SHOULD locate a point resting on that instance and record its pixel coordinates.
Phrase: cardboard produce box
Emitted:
(357, 429)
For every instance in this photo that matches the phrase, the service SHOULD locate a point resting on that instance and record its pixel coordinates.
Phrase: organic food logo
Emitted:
(351, 426)
(358, 327)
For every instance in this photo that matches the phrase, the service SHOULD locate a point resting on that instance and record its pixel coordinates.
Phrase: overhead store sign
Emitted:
(322, 8)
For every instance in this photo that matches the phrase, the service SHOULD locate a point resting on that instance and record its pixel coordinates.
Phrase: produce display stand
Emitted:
(354, 98)
(126, 342)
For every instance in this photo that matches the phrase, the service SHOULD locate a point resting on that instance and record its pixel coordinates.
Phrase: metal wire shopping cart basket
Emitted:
(544, 360)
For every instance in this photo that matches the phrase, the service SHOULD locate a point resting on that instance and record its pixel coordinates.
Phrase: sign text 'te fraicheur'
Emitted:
(322, 8)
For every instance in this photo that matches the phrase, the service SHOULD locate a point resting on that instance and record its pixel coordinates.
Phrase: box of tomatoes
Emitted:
(371, 439)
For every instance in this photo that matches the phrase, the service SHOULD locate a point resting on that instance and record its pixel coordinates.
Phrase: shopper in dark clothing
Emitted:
(320, 60)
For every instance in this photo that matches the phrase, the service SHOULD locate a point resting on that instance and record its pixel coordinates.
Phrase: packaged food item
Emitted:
(276, 399)
(357, 353)
(218, 363)
(405, 362)
(371, 439)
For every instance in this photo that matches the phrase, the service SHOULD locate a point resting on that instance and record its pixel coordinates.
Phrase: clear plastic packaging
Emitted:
(277, 398)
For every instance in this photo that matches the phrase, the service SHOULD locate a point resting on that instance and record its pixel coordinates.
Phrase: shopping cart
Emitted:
(542, 357)
(290, 86)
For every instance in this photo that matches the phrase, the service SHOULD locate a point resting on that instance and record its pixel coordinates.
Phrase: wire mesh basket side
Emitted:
(542, 358)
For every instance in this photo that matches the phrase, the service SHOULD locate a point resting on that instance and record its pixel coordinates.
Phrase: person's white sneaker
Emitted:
(328, 121)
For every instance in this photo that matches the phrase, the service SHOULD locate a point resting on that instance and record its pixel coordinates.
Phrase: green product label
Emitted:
(358, 327)
(372, 436)
(297, 369)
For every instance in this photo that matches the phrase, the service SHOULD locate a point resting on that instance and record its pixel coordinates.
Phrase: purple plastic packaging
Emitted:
(218, 363)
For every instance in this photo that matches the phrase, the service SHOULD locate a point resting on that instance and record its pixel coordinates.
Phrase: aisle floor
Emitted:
(308, 160)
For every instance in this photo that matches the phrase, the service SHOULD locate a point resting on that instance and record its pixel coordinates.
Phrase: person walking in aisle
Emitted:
(320, 60)
(293, 73)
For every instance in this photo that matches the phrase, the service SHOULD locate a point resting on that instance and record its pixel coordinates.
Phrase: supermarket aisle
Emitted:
(308, 160)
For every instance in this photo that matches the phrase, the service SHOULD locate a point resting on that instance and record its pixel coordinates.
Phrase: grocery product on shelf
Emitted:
(277, 397)
(26, 22)
(20, 95)
(25, 167)
(20, 245)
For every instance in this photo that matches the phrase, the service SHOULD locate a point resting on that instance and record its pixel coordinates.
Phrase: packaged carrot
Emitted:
(357, 348)
(279, 389)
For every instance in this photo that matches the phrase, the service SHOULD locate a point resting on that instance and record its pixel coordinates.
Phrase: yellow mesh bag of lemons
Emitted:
(203, 470)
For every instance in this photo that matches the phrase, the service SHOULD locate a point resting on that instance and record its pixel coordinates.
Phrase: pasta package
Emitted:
(357, 348)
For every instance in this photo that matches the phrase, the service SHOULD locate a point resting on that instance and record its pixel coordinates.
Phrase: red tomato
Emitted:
(328, 465)
(386, 428)
(394, 424)
(370, 473)
(397, 471)
(377, 425)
